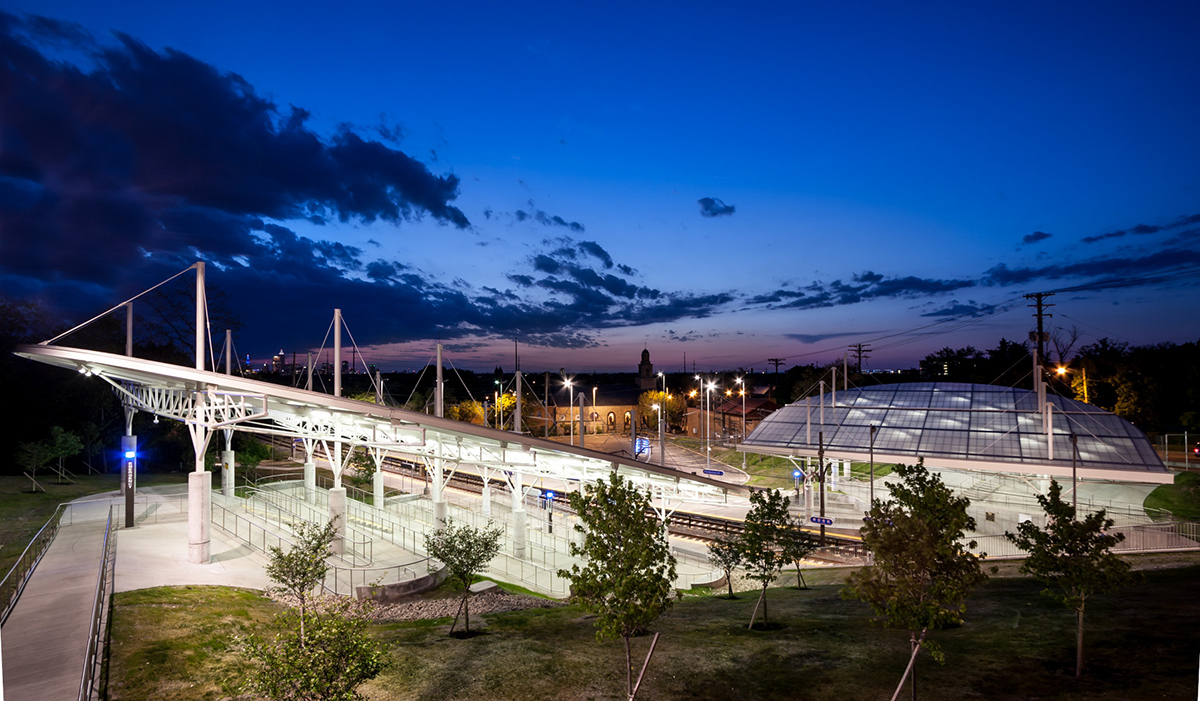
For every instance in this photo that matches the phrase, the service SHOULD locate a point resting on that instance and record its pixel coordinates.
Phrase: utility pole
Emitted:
(860, 351)
(1040, 305)
(776, 362)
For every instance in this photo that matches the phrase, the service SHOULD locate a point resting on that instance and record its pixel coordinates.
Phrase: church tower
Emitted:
(646, 378)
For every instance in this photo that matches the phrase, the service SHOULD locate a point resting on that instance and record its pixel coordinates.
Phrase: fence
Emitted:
(95, 664)
(1155, 537)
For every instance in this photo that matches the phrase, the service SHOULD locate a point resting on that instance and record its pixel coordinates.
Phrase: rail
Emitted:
(14, 582)
(1155, 537)
(95, 663)
(358, 548)
(345, 579)
(235, 525)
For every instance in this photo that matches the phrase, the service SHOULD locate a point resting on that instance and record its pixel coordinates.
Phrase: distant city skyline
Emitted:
(733, 184)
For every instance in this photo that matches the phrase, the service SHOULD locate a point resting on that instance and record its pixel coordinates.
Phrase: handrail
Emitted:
(26, 563)
(97, 648)
(363, 572)
(249, 539)
(363, 547)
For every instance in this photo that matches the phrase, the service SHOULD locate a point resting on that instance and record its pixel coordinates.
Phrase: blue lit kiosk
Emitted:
(1000, 446)
(380, 536)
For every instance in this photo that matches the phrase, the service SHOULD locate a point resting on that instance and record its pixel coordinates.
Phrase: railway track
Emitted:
(706, 528)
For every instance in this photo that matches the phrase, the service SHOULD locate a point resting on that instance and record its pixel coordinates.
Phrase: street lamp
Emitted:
(582, 428)
(708, 435)
(742, 392)
(1062, 371)
(570, 408)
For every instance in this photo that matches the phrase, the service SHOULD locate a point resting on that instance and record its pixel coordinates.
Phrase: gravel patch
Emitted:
(493, 601)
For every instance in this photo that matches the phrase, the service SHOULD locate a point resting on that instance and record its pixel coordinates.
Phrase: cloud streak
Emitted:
(1144, 229)
(713, 207)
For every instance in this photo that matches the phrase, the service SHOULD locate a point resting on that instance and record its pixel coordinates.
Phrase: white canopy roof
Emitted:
(171, 391)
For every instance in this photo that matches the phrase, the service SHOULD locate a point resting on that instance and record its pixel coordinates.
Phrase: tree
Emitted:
(1073, 558)
(466, 552)
(33, 457)
(922, 573)
(726, 554)
(797, 545)
(298, 571)
(339, 656)
(330, 652)
(762, 549)
(63, 444)
(362, 469)
(675, 406)
(630, 571)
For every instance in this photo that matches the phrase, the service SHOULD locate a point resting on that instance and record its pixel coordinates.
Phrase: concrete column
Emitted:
(337, 515)
(487, 497)
(519, 538)
(808, 498)
(519, 517)
(440, 511)
(310, 481)
(377, 488)
(227, 481)
(199, 517)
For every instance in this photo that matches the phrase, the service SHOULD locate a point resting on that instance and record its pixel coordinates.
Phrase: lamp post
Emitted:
(582, 428)
(708, 435)
(571, 408)
(742, 392)
(874, 428)
(594, 417)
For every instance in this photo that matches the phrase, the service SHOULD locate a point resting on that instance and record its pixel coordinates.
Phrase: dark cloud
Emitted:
(1035, 237)
(157, 153)
(544, 218)
(818, 337)
(863, 287)
(957, 308)
(1110, 269)
(595, 250)
(1143, 229)
(713, 207)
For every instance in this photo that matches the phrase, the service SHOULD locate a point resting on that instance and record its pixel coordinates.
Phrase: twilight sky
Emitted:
(731, 184)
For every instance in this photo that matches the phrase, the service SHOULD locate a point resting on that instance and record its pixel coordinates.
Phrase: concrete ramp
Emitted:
(46, 636)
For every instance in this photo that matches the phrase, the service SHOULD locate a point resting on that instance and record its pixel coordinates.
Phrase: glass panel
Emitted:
(900, 418)
(945, 442)
(911, 398)
(959, 420)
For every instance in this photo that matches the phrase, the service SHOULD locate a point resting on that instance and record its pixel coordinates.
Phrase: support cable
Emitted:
(122, 304)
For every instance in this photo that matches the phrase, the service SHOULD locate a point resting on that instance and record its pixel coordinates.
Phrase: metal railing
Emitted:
(14, 582)
(246, 530)
(1154, 537)
(95, 663)
(343, 580)
(358, 547)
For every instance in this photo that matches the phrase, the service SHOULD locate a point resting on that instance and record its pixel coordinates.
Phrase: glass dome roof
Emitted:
(970, 426)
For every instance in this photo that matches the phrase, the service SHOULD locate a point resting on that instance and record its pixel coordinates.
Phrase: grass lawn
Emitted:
(1141, 643)
(1181, 498)
(23, 513)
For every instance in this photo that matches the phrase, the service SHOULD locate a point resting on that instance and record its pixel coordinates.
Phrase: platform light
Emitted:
(130, 454)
